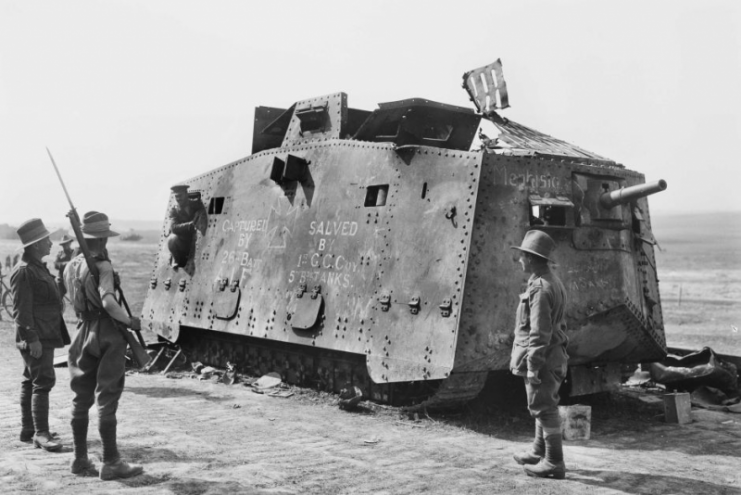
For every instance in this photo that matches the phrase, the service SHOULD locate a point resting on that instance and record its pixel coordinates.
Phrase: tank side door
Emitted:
(422, 265)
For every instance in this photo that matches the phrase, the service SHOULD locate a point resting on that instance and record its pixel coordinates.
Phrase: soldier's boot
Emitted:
(537, 450)
(113, 466)
(81, 465)
(42, 439)
(552, 465)
(27, 436)
(27, 428)
(120, 469)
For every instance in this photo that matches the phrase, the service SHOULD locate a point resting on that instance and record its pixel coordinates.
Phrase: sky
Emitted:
(134, 96)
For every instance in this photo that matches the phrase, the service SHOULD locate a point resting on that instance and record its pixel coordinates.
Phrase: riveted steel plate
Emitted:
(275, 237)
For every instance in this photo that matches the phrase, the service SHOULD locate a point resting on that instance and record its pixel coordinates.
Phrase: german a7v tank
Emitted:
(372, 248)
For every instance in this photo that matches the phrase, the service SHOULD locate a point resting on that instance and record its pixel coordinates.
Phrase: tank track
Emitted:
(324, 370)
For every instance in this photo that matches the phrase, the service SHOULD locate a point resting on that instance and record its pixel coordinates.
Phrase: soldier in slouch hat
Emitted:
(97, 356)
(40, 328)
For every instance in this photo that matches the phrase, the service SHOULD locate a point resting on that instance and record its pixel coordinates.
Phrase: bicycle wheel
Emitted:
(8, 302)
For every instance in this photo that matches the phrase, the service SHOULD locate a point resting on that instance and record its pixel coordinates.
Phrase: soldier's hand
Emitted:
(35, 349)
(135, 323)
(532, 377)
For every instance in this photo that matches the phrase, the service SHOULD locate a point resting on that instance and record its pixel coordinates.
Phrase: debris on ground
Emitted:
(207, 372)
(639, 379)
(267, 382)
(248, 381)
(282, 394)
(197, 366)
(230, 376)
(694, 370)
(715, 400)
(371, 441)
(350, 397)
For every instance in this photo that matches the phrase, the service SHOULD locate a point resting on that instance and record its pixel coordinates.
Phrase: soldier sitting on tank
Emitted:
(186, 217)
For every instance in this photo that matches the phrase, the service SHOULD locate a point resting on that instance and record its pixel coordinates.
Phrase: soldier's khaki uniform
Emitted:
(97, 356)
(539, 354)
(184, 222)
(60, 263)
(37, 309)
(540, 345)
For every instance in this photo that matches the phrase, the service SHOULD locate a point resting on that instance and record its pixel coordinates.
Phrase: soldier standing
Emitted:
(39, 329)
(63, 257)
(539, 354)
(97, 356)
(186, 217)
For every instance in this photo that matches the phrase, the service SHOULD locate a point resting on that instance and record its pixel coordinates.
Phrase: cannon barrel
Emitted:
(628, 194)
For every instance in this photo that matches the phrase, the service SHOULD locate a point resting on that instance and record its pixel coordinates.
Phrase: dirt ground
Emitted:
(200, 437)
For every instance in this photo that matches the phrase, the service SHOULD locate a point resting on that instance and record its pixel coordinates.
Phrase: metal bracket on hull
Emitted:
(226, 303)
(384, 369)
(304, 312)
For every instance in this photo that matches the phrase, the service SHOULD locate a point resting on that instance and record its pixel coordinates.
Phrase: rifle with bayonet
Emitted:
(137, 347)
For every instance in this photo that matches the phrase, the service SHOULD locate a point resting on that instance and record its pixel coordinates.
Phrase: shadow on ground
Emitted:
(619, 420)
(161, 392)
(647, 483)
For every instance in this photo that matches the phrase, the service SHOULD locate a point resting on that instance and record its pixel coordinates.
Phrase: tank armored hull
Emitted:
(372, 248)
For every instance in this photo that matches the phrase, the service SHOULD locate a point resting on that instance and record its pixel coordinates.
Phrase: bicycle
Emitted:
(6, 297)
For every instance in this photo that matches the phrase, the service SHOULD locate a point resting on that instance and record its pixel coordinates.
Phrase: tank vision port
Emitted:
(376, 195)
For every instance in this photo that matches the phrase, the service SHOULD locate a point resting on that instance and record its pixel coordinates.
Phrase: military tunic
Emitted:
(540, 345)
(37, 310)
(97, 356)
(183, 224)
(63, 257)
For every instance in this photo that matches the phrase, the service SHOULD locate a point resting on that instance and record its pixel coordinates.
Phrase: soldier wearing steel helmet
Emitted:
(40, 328)
(539, 354)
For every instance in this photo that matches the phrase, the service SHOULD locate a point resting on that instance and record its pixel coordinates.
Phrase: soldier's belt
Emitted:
(92, 315)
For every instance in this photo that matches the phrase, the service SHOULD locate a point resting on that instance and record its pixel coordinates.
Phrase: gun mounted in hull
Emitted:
(627, 194)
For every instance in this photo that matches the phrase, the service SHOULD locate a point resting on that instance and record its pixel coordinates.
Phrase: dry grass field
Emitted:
(699, 270)
(700, 280)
